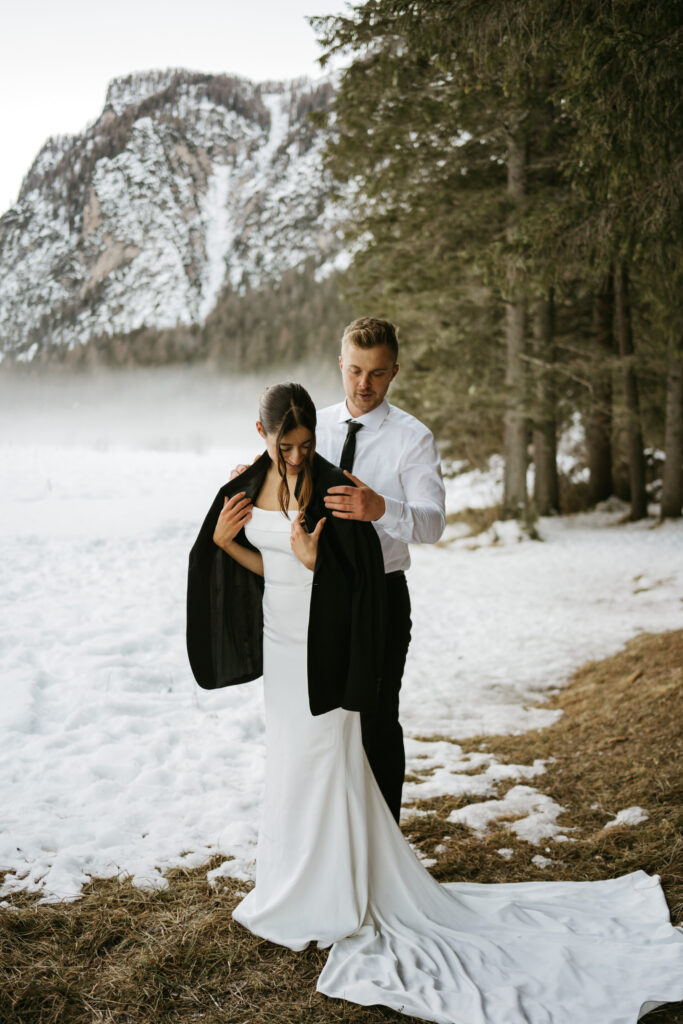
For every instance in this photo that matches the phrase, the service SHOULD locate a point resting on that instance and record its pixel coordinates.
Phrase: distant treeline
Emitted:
(517, 172)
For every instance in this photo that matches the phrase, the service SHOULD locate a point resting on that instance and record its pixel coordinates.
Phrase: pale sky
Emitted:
(57, 57)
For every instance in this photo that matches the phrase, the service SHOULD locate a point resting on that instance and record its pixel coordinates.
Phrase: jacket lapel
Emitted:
(250, 481)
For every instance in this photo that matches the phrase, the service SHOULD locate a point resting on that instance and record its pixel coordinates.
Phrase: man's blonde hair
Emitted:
(368, 332)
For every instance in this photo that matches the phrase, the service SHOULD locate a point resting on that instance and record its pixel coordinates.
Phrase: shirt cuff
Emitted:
(393, 510)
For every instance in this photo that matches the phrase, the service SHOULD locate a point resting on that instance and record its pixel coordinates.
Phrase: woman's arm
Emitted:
(236, 512)
(251, 560)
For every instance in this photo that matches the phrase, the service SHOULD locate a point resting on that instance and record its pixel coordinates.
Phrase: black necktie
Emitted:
(349, 449)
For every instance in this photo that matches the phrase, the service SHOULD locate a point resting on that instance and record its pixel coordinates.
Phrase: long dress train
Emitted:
(333, 867)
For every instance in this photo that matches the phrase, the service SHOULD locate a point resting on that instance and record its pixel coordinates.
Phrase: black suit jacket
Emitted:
(347, 613)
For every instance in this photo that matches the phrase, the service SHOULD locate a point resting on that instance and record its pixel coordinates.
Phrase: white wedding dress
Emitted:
(333, 867)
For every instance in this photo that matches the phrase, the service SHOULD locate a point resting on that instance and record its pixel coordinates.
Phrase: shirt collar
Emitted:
(370, 420)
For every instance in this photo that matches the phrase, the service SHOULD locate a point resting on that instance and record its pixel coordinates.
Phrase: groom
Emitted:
(397, 485)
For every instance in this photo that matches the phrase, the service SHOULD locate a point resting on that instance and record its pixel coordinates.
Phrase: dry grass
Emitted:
(477, 519)
(127, 957)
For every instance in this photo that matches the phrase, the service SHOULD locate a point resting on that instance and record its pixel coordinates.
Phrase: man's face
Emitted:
(367, 374)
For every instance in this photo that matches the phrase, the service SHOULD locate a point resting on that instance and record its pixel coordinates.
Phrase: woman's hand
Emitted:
(235, 513)
(304, 544)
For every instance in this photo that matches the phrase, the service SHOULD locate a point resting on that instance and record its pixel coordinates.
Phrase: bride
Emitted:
(277, 589)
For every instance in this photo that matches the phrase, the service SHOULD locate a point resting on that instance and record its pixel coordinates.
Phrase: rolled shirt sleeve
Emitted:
(420, 517)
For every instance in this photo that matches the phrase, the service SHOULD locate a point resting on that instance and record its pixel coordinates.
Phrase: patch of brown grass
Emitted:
(477, 519)
(122, 956)
(174, 956)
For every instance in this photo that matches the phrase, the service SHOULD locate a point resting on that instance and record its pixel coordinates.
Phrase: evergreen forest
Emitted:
(516, 173)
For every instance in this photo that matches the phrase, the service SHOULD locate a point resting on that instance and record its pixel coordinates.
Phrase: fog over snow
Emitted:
(114, 762)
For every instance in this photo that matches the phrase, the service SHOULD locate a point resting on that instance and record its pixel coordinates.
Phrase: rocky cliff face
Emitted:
(185, 186)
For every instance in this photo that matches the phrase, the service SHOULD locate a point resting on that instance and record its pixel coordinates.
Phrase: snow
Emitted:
(219, 237)
(114, 762)
(277, 104)
(536, 814)
(476, 488)
(518, 618)
(447, 781)
(629, 816)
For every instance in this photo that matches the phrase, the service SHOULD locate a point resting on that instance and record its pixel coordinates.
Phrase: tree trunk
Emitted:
(515, 427)
(599, 420)
(546, 490)
(636, 457)
(672, 490)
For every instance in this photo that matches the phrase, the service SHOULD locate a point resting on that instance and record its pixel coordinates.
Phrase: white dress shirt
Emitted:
(397, 457)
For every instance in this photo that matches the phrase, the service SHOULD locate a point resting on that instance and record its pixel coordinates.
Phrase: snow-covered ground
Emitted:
(113, 761)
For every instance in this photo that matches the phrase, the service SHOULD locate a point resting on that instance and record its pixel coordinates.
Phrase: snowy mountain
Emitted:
(187, 185)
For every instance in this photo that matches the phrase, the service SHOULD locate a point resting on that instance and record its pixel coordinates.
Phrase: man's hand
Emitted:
(236, 512)
(359, 502)
(242, 467)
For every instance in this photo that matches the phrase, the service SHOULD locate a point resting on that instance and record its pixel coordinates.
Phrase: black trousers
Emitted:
(382, 732)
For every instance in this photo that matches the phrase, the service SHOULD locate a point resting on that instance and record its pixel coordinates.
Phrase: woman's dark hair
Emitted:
(282, 408)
